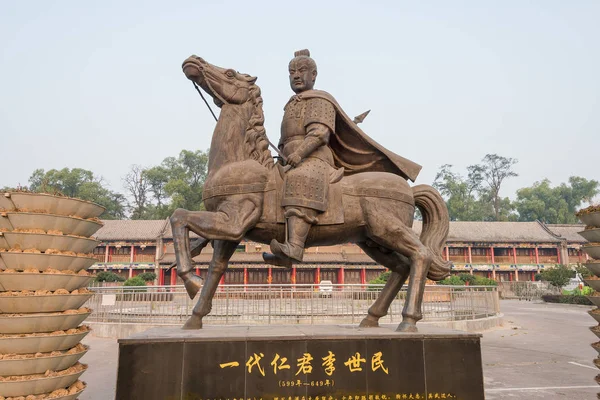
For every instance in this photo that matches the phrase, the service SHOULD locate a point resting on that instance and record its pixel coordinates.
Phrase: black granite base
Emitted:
(328, 362)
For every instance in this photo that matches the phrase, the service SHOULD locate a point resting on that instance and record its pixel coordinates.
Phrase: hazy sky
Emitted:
(98, 85)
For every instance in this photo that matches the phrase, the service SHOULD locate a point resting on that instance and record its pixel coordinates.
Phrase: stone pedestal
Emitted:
(320, 362)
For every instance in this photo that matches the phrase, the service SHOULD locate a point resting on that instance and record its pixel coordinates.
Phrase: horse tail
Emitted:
(436, 224)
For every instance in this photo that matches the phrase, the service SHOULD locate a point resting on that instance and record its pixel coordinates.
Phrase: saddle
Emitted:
(273, 210)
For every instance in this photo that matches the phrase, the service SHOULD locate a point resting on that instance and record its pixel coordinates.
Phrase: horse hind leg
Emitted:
(399, 265)
(389, 232)
(223, 250)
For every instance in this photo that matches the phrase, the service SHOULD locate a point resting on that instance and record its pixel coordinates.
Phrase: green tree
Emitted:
(107, 276)
(555, 205)
(187, 174)
(176, 183)
(494, 171)
(138, 188)
(463, 196)
(147, 276)
(82, 184)
(558, 276)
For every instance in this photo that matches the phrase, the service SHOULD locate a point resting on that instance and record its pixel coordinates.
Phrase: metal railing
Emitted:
(525, 290)
(284, 304)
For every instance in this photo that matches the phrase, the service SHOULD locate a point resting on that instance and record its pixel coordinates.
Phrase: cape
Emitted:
(355, 151)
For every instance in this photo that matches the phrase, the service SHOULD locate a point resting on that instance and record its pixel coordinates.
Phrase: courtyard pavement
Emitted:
(543, 352)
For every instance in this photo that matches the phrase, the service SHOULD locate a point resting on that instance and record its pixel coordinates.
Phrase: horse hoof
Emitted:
(407, 327)
(193, 284)
(193, 323)
(368, 323)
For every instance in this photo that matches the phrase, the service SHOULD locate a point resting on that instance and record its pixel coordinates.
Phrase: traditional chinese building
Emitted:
(504, 251)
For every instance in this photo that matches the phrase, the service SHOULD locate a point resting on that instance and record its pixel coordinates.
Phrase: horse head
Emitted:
(225, 86)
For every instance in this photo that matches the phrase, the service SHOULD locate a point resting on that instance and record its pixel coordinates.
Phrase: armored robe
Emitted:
(307, 184)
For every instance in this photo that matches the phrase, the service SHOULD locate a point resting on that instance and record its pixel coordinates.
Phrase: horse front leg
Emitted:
(223, 250)
(232, 220)
(399, 265)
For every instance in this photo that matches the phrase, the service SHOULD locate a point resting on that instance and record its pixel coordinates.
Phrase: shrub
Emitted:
(467, 278)
(583, 271)
(585, 291)
(452, 280)
(482, 281)
(135, 281)
(106, 276)
(380, 280)
(566, 299)
(462, 279)
(147, 276)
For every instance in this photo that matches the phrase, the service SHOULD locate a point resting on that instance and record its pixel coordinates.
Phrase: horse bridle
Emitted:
(279, 153)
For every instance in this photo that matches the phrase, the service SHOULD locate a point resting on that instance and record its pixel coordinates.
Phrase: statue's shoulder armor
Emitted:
(321, 111)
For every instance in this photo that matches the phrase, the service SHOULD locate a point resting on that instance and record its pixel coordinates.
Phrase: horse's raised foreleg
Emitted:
(223, 250)
(233, 218)
(192, 282)
(400, 266)
(388, 231)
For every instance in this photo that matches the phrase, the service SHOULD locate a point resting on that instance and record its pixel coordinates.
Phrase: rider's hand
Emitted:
(294, 159)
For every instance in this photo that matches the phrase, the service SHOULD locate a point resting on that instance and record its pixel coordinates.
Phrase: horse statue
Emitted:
(241, 200)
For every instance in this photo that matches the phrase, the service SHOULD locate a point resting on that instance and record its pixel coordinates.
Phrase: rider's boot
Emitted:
(284, 254)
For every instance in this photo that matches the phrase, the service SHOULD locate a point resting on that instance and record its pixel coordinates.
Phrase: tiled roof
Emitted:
(568, 232)
(130, 230)
(168, 233)
(478, 231)
(460, 231)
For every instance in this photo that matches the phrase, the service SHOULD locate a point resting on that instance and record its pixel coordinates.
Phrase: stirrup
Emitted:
(273, 259)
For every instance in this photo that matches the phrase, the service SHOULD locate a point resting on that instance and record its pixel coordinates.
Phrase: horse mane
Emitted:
(256, 142)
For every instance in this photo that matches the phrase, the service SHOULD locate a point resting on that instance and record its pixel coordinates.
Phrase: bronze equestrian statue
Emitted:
(338, 186)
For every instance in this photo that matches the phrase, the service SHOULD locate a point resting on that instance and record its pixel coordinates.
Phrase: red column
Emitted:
(197, 271)
(341, 276)
(363, 275)
(579, 255)
(492, 254)
(245, 275)
(317, 275)
(174, 276)
(132, 255)
(161, 277)
(130, 272)
(532, 276)
(537, 255)
(106, 254)
(270, 276)
(222, 281)
(515, 255)
(293, 278)
(447, 254)
(470, 256)
(558, 254)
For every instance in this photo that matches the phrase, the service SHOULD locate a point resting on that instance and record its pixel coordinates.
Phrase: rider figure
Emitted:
(306, 128)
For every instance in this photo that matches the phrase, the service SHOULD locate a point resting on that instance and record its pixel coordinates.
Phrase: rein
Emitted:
(205, 102)
(215, 117)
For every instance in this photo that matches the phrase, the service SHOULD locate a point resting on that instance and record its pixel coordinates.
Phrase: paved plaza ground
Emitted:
(543, 352)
